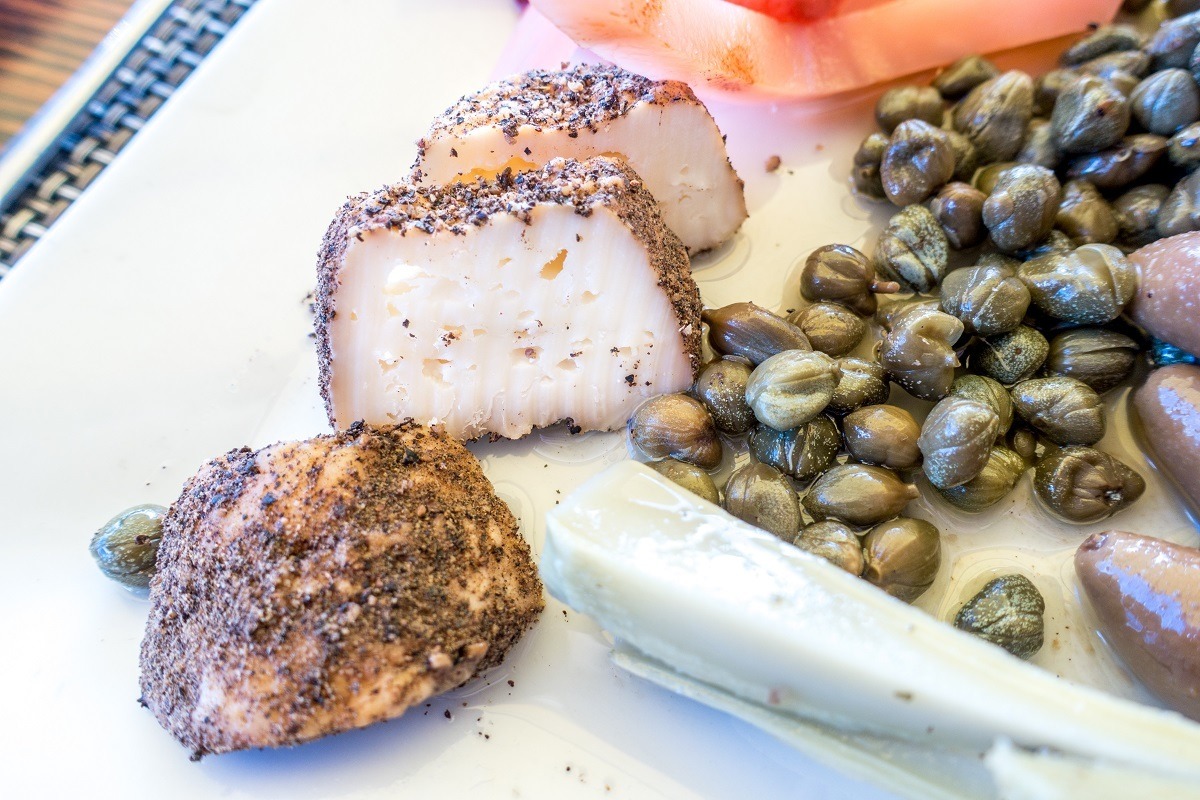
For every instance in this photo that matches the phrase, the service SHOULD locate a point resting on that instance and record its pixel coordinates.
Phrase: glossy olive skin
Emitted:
(721, 387)
(1089, 115)
(884, 435)
(1081, 485)
(1021, 208)
(831, 328)
(913, 250)
(840, 274)
(1009, 612)
(1064, 410)
(908, 103)
(792, 387)
(862, 383)
(994, 114)
(918, 352)
(689, 476)
(956, 439)
(918, 160)
(834, 542)
(903, 557)
(1166, 411)
(858, 494)
(763, 496)
(803, 452)
(999, 475)
(983, 389)
(675, 426)
(958, 208)
(988, 300)
(964, 75)
(1089, 286)
(1100, 358)
(1010, 357)
(751, 332)
(865, 178)
(1169, 283)
(126, 547)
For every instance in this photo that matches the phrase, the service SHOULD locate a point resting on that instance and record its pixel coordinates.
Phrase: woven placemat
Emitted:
(161, 61)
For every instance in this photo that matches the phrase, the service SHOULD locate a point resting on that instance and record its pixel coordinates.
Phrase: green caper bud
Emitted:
(983, 389)
(958, 208)
(903, 557)
(1123, 70)
(834, 542)
(1166, 101)
(831, 328)
(858, 494)
(1056, 242)
(918, 160)
(803, 452)
(918, 352)
(994, 259)
(1064, 410)
(864, 177)
(1120, 165)
(689, 476)
(994, 114)
(721, 387)
(1039, 148)
(1083, 485)
(1091, 285)
(1173, 43)
(913, 250)
(1021, 208)
(1023, 442)
(126, 547)
(890, 313)
(763, 496)
(988, 300)
(1180, 212)
(1184, 148)
(1137, 214)
(1101, 359)
(966, 157)
(908, 103)
(792, 387)
(1090, 115)
(1105, 39)
(1047, 88)
(675, 426)
(1084, 215)
(1010, 357)
(997, 478)
(751, 331)
(840, 274)
(1008, 612)
(964, 75)
(861, 383)
(986, 177)
(956, 439)
(884, 435)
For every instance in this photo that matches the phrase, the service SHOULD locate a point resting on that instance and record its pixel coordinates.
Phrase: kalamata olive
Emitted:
(1089, 115)
(1165, 303)
(994, 114)
(1180, 212)
(1084, 215)
(1143, 591)
(1137, 214)
(864, 176)
(1166, 101)
(913, 250)
(1184, 147)
(752, 332)
(792, 387)
(840, 274)
(831, 328)
(802, 452)
(1047, 88)
(676, 426)
(763, 496)
(964, 75)
(1089, 286)
(1010, 357)
(988, 300)
(834, 542)
(997, 478)
(721, 387)
(1008, 611)
(983, 389)
(1174, 42)
(1064, 410)
(1020, 209)
(126, 547)
(918, 352)
(1079, 484)
(955, 441)
(689, 476)
(966, 157)
(1166, 411)
(862, 383)
(884, 435)
(1039, 148)
(1105, 39)
(1100, 358)
(917, 161)
(1120, 165)
(904, 103)
(958, 208)
(903, 557)
(858, 494)
(987, 176)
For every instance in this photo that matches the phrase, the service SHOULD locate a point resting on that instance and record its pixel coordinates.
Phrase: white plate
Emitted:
(164, 320)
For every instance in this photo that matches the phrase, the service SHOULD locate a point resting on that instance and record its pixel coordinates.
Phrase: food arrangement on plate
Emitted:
(535, 269)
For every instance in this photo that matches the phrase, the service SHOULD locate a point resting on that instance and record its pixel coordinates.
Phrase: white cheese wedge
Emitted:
(494, 308)
(658, 127)
(721, 602)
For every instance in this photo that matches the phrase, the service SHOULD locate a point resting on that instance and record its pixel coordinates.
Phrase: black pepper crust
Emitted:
(308, 588)
(408, 209)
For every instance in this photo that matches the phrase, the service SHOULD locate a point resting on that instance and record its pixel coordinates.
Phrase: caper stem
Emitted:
(885, 287)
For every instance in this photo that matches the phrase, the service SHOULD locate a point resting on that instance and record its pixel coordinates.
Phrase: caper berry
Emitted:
(834, 542)
(1166, 101)
(1021, 208)
(918, 160)
(1082, 485)
(864, 177)
(1089, 115)
(861, 383)
(802, 452)
(1137, 214)
(1010, 357)
(831, 328)
(884, 435)
(676, 426)
(988, 300)
(1084, 215)
(126, 547)
(858, 494)
(1008, 612)
(1091, 285)
(1064, 410)
(964, 75)
(918, 352)
(840, 274)
(994, 114)
(997, 478)
(792, 387)
(752, 332)
(1184, 147)
(1105, 39)
(913, 250)
(763, 496)
(1039, 148)
(1180, 212)
(983, 389)
(1120, 165)
(958, 208)
(895, 106)
(956, 439)
(903, 557)
(1101, 359)
(721, 387)
(689, 476)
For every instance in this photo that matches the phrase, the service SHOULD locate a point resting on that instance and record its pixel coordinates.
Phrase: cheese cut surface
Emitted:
(658, 127)
(497, 307)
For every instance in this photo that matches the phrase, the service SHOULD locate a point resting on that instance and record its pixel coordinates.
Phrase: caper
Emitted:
(831, 328)
(1090, 285)
(987, 176)
(1105, 39)
(721, 387)
(840, 274)
(1137, 214)
(1055, 243)
(1102, 359)
(912, 250)
(956, 439)
(884, 435)
(994, 259)
(1048, 87)
(966, 157)
(1180, 212)
(676, 426)
(1064, 410)
(1084, 215)
(858, 494)
(1020, 210)
(1166, 101)
(988, 300)
(1082, 485)
(752, 332)
(1023, 442)
(1120, 165)
(689, 476)
(918, 160)
(1184, 147)
(890, 313)
(997, 478)
(958, 208)
(1174, 42)
(1090, 115)
(1177, 8)
(903, 103)
(126, 547)
(1010, 357)
(1121, 69)
(864, 177)
(763, 496)
(861, 383)
(994, 114)
(1008, 612)
(918, 352)
(1039, 148)
(964, 75)
(834, 542)
(903, 557)
(802, 452)
(983, 389)
(792, 387)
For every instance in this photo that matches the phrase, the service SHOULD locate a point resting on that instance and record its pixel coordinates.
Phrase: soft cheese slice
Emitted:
(496, 307)
(722, 602)
(658, 127)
